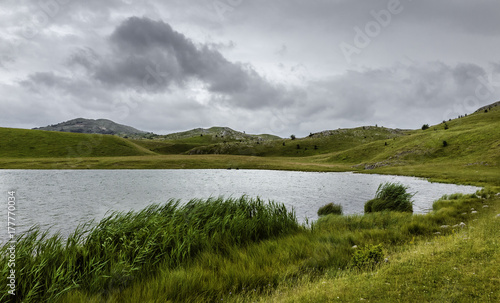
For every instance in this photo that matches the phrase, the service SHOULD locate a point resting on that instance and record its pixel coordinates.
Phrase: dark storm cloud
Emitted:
(149, 55)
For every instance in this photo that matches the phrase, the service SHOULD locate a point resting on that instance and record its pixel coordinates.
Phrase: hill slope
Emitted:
(90, 126)
(23, 143)
(315, 144)
(183, 142)
(471, 140)
(219, 132)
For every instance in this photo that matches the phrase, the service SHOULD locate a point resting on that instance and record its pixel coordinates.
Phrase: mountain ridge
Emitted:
(92, 126)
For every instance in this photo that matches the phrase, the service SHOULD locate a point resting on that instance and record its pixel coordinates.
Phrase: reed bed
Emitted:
(332, 247)
(126, 247)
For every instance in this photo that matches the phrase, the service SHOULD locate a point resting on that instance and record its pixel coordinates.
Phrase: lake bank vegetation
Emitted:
(241, 250)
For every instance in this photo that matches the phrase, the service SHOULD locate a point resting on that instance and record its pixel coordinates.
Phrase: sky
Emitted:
(273, 66)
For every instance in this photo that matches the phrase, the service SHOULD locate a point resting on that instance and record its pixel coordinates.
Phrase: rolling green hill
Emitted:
(23, 143)
(199, 138)
(471, 140)
(315, 144)
(464, 150)
(91, 126)
(224, 133)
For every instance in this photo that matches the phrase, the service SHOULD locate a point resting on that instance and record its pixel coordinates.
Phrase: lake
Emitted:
(62, 199)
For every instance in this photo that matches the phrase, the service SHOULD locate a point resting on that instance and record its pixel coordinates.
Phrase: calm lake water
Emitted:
(62, 199)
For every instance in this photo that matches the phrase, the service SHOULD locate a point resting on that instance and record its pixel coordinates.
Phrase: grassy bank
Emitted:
(384, 257)
(242, 250)
(128, 247)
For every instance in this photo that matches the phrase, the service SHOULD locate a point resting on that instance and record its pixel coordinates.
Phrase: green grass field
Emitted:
(240, 250)
(471, 154)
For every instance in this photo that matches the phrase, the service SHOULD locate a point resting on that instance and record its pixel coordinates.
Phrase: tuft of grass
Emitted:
(124, 248)
(368, 257)
(330, 208)
(391, 197)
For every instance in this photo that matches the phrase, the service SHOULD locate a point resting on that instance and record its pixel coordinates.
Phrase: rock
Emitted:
(386, 260)
(498, 216)
(485, 206)
(354, 247)
(472, 209)
(437, 233)
(473, 212)
(464, 214)
(461, 225)
(445, 226)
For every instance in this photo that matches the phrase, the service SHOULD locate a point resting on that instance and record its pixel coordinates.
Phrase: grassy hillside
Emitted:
(91, 126)
(217, 132)
(315, 144)
(470, 155)
(22, 143)
(183, 142)
(471, 140)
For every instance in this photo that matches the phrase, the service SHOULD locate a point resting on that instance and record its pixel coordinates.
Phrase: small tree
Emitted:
(292, 137)
(425, 126)
(445, 143)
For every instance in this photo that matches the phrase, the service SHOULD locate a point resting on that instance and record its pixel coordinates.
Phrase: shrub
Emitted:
(392, 197)
(445, 143)
(425, 126)
(367, 257)
(330, 208)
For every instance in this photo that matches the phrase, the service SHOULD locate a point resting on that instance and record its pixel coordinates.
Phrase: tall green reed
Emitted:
(124, 247)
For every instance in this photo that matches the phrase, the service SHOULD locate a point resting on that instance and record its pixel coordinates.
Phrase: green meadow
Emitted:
(248, 250)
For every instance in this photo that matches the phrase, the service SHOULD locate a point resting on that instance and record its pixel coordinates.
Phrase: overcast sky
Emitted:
(274, 66)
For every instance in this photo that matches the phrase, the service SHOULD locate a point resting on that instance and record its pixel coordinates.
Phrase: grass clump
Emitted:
(391, 197)
(127, 247)
(368, 257)
(330, 208)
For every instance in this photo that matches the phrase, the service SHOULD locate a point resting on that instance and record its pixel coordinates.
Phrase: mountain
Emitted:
(219, 132)
(90, 126)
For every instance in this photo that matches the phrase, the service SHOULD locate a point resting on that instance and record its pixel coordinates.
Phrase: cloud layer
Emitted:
(275, 67)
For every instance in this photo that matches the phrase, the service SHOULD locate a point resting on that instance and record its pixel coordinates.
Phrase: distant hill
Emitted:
(183, 142)
(219, 132)
(25, 143)
(317, 143)
(90, 126)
